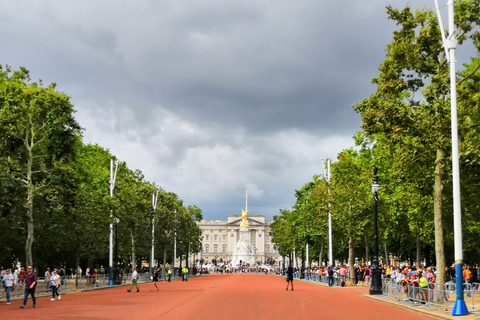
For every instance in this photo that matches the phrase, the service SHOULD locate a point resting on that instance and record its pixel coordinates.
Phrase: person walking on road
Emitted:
(30, 284)
(48, 275)
(55, 283)
(184, 274)
(330, 276)
(169, 274)
(134, 280)
(9, 280)
(289, 277)
(155, 279)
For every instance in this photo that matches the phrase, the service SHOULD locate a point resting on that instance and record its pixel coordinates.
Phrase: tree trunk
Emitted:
(164, 269)
(134, 261)
(387, 256)
(367, 253)
(437, 208)
(419, 251)
(30, 192)
(351, 257)
(321, 253)
(351, 254)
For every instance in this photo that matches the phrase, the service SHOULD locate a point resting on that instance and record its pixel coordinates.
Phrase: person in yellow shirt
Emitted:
(468, 280)
(423, 286)
(184, 274)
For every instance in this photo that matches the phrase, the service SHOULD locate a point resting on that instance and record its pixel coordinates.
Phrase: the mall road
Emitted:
(232, 297)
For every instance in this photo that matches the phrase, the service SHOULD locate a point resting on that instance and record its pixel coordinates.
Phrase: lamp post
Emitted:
(113, 178)
(328, 177)
(376, 287)
(450, 44)
(154, 204)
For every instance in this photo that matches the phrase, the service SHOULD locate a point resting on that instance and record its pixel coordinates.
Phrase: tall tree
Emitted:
(38, 122)
(411, 105)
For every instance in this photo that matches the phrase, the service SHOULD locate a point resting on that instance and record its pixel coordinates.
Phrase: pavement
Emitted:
(418, 309)
(236, 296)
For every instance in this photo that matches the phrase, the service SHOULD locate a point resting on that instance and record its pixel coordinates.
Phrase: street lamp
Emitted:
(113, 178)
(376, 287)
(328, 176)
(450, 44)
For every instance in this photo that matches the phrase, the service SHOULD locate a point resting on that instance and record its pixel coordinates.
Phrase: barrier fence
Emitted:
(435, 296)
(336, 279)
(70, 284)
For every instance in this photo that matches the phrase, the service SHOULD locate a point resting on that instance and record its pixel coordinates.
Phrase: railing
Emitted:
(336, 280)
(435, 296)
(70, 284)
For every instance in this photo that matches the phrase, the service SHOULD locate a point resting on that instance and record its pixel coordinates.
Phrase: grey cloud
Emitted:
(238, 94)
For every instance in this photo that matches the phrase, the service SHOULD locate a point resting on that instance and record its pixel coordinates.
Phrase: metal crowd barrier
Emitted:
(337, 279)
(435, 296)
(69, 284)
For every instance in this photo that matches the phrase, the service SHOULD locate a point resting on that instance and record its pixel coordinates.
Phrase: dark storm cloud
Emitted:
(209, 97)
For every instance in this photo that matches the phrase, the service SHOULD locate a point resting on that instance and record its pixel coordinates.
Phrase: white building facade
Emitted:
(219, 238)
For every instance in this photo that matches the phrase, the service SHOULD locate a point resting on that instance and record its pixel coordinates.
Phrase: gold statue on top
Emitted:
(244, 219)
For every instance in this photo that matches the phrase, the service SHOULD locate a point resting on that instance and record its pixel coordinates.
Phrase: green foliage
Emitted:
(42, 158)
(405, 124)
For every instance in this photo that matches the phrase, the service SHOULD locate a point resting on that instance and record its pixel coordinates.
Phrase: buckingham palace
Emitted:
(219, 238)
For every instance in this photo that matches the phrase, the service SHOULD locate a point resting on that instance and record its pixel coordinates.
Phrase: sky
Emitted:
(210, 98)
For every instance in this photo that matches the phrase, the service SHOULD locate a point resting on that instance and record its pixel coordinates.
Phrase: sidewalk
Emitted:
(419, 309)
(435, 314)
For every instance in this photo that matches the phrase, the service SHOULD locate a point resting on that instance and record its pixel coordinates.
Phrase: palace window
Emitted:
(207, 237)
(215, 237)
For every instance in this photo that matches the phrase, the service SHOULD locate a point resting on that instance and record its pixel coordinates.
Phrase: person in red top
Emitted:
(22, 275)
(93, 272)
(30, 283)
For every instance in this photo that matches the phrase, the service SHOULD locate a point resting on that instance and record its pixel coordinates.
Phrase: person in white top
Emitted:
(55, 282)
(47, 279)
(134, 280)
(9, 283)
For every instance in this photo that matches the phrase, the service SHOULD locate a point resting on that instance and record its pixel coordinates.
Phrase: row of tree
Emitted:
(406, 134)
(55, 202)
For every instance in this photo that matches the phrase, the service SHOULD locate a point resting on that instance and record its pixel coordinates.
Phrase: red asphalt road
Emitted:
(237, 296)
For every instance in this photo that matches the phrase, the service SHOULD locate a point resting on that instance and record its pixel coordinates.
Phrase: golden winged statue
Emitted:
(244, 219)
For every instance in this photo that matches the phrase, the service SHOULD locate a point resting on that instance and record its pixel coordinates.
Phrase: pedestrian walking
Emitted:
(155, 279)
(169, 274)
(22, 275)
(30, 284)
(9, 280)
(134, 280)
(289, 277)
(92, 276)
(184, 274)
(55, 284)
(330, 276)
(48, 275)
(61, 273)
